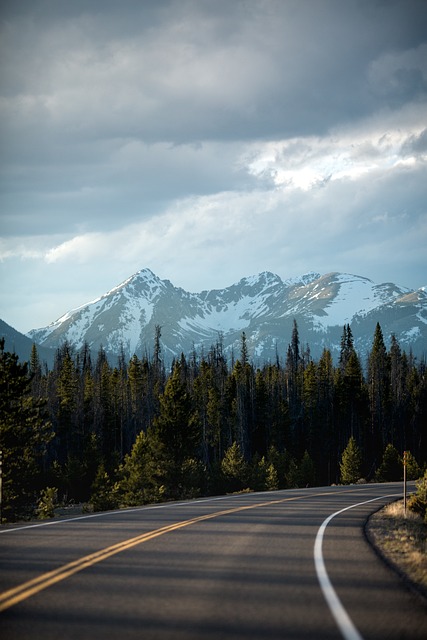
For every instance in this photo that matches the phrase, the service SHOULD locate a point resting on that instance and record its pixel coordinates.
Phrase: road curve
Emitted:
(284, 564)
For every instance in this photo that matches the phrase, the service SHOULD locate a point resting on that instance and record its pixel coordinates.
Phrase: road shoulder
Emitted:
(401, 542)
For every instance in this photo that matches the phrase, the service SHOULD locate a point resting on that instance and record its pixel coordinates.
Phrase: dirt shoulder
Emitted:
(402, 542)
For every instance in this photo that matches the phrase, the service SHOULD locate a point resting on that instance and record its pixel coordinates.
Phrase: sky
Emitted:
(208, 140)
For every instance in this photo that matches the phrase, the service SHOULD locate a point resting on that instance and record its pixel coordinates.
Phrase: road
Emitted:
(286, 564)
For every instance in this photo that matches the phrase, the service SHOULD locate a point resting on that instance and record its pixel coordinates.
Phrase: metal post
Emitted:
(1, 478)
(404, 482)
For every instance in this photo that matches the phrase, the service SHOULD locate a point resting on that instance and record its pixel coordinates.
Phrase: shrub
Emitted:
(47, 503)
(418, 501)
(413, 469)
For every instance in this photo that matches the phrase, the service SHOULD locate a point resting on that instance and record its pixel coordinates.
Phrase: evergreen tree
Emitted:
(413, 469)
(234, 469)
(292, 476)
(346, 347)
(278, 422)
(280, 461)
(351, 407)
(351, 463)
(103, 496)
(391, 467)
(65, 381)
(272, 478)
(294, 390)
(157, 360)
(258, 473)
(142, 474)
(262, 417)
(399, 396)
(176, 428)
(136, 396)
(307, 475)
(243, 402)
(25, 432)
(35, 372)
(379, 392)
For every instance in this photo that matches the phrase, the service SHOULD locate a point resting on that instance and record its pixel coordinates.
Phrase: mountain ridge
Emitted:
(263, 306)
(16, 342)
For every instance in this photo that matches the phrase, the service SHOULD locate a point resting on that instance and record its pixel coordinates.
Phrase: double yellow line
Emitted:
(27, 589)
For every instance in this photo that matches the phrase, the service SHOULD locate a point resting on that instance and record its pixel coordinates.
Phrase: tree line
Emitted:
(137, 432)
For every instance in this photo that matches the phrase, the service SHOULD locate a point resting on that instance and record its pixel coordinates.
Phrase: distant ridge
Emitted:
(263, 306)
(20, 344)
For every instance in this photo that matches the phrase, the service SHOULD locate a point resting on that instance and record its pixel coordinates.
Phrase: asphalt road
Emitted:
(253, 566)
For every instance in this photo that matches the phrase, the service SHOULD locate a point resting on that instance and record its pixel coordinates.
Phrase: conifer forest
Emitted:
(134, 432)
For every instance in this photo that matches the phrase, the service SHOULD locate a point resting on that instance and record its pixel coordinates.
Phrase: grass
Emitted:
(402, 539)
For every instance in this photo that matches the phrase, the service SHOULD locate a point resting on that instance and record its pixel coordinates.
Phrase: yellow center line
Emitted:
(31, 587)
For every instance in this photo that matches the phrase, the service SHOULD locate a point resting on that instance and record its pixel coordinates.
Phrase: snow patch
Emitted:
(356, 296)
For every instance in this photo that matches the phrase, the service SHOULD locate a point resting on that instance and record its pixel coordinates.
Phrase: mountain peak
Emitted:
(262, 305)
(265, 278)
(305, 279)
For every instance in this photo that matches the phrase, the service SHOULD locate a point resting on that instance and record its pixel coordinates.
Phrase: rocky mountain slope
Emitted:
(263, 306)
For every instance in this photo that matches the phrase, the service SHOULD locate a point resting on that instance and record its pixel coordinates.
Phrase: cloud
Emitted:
(209, 141)
(400, 76)
(230, 234)
(305, 163)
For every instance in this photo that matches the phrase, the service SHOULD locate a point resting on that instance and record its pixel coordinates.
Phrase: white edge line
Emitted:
(343, 620)
(162, 505)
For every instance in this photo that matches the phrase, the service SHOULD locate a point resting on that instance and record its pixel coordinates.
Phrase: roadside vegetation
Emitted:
(117, 435)
(402, 537)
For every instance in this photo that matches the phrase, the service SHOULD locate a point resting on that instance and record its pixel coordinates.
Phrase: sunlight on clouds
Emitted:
(306, 163)
(79, 248)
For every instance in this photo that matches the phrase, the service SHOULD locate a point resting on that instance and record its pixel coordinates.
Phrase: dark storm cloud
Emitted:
(81, 80)
(188, 71)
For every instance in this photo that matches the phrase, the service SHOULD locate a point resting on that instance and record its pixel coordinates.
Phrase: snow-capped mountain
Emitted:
(263, 306)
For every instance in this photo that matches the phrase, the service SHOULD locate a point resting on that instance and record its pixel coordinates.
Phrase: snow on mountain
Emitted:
(263, 305)
(349, 296)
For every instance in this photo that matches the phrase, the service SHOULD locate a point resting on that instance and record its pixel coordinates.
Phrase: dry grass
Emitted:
(402, 540)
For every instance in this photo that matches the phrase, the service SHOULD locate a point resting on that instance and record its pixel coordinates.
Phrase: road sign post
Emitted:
(404, 482)
(1, 478)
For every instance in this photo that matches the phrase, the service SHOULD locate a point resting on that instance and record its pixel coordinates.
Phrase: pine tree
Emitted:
(294, 390)
(379, 393)
(391, 467)
(307, 475)
(176, 428)
(243, 401)
(139, 391)
(234, 468)
(292, 477)
(65, 390)
(351, 463)
(399, 398)
(272, 478)
(142, 474)
(157, 360)
(351, 405)
(103, 496)
(413, 469)
(346, 347)
(25, 432)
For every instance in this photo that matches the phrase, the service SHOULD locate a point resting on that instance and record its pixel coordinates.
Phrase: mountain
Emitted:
(263, 306)
(18, 343)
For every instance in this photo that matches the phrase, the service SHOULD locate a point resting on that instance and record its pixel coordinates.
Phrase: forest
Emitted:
(136, 432)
